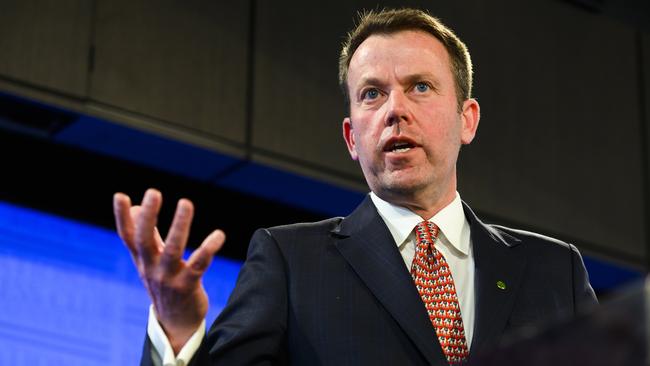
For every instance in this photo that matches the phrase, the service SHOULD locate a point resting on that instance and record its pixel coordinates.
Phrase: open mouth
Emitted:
(399, 146)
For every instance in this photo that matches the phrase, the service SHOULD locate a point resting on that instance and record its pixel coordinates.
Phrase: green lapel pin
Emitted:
(501, 285)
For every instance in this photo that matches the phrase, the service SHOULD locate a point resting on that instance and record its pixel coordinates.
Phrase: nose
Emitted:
(397, 108)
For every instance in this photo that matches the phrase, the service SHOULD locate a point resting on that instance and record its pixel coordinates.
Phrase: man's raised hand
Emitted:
(174, 285)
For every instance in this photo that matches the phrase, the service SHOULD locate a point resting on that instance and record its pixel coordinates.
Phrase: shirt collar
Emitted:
(451, 220)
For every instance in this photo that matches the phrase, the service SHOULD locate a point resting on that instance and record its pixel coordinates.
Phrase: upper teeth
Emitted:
(401, 147)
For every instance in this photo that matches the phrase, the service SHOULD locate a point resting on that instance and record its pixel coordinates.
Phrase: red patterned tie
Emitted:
(436, 287)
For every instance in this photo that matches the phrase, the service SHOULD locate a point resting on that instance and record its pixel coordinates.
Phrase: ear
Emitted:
(470, 116)
(348, 136)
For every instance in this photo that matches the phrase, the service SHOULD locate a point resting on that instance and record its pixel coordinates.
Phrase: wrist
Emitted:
(162, 345)
(178, 337)
(177, 329)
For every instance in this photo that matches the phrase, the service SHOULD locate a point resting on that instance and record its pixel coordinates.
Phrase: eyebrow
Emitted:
(414, 78)
(370, 81)
(409, 79)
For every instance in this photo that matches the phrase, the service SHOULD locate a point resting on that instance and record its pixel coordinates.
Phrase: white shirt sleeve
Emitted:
(162, 351)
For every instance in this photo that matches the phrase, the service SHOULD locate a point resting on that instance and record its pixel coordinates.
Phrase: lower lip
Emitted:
(399, 155)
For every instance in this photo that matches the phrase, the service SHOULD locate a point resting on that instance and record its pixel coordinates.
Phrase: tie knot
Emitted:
(426, 233)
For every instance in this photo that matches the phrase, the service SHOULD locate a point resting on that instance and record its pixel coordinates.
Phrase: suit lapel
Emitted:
(499, 270)
(366, 243)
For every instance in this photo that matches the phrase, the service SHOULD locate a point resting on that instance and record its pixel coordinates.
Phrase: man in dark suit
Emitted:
(343, 291)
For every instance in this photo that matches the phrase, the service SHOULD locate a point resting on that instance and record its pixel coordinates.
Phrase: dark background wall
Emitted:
(236, 105)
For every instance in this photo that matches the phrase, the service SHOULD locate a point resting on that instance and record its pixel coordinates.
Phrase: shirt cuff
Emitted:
(164, 349)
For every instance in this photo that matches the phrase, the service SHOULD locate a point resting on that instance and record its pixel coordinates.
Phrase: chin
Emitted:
(403, 187)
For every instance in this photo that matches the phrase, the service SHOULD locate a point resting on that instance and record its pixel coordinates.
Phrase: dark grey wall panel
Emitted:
(298, 106)
(559, 147)
(46, 43)
(182, 62)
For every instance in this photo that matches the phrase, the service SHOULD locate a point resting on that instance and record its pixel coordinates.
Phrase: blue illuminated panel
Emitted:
(69, 294)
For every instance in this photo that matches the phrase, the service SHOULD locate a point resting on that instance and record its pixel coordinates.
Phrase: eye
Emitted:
(370, 94)
(422, 87)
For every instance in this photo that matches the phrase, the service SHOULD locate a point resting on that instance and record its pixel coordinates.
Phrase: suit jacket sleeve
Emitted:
(251, 328)
(149, 356)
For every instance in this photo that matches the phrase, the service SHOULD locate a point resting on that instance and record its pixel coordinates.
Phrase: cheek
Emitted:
(367, 140)
(384, 135)
(366, 146)
(442, 138)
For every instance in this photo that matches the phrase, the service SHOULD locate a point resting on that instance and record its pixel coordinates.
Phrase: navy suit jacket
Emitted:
(337, 292)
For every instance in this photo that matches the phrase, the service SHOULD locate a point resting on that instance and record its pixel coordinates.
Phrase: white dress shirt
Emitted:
(162, 352)
(453, 243)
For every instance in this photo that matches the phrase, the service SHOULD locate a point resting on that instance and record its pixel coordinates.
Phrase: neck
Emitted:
(425, 205)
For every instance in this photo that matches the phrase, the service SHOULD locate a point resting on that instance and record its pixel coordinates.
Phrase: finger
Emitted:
(200, 260)
(160, 245)
(145, 224)
(177, 236)
(135, 213)
(123, 220)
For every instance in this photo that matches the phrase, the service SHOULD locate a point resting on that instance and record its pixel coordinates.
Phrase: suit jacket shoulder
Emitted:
(551, 257)
(302, 233)
(524, 281)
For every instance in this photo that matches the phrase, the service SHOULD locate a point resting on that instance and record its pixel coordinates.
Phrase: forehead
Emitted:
(401, 53)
